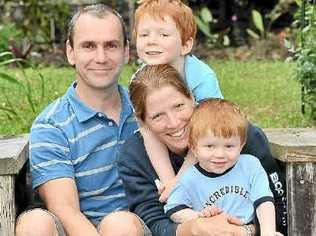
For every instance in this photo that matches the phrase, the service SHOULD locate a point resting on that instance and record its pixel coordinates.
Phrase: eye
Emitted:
(112, 45)
(88, 45)
(164, 34)
(209, 146)
(179, 105)
(229, 146)
(156, 117)
(142, 35)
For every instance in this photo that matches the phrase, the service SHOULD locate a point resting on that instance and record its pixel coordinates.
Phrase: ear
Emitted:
(126, 53)
(70, 53)
(187, 46)
(241, 146)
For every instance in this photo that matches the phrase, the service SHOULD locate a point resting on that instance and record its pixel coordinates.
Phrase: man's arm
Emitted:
(61, 198)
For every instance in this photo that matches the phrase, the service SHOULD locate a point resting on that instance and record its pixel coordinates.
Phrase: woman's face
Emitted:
(167, 115)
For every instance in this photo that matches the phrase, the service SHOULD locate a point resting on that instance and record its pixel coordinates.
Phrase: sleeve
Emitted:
(49, 154)
(179, 199)
(208, 87)
(138, 180)
(257, 145)
(260, 190)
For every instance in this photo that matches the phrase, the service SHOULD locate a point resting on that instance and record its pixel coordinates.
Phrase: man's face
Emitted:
(98, 51)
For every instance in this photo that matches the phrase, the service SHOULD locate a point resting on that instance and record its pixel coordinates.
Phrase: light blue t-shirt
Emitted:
(70, 140)
(237, 192)
(201, 79)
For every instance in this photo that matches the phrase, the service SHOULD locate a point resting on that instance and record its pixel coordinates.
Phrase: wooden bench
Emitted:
(13, 155)
(297, 149)
(294, 147)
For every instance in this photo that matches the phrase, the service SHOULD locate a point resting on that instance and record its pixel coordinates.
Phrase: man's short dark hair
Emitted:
(97, 10)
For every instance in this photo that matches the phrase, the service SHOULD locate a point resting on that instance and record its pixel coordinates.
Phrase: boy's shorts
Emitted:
(60, 228)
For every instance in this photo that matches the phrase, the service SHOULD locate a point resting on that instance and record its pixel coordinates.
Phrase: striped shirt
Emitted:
(70, 140)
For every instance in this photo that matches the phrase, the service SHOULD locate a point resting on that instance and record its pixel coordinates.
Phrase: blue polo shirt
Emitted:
(70, 140)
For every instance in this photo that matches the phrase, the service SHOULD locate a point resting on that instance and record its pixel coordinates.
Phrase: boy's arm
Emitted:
(266, 216)
(189, 160)
(158, 155)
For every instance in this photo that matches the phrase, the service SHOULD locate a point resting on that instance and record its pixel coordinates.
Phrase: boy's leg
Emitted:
(122, 223)
(38, 222)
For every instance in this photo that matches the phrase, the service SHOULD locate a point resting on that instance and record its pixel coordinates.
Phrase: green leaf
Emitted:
(253, 34)
(287, 44)
(257, 20)
(204, 27)
(298, 2)
(10, 79)
(3, 54)
(206, 15)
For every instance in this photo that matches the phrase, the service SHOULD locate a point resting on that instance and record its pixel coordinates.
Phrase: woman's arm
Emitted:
(138, 178)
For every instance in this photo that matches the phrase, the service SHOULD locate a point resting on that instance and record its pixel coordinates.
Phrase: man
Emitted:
(74, 142)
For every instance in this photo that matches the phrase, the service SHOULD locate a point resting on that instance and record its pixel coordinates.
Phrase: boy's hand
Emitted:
(167, 190)
(210, 211)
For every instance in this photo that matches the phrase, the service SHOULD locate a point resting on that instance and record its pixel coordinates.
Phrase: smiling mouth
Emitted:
(177, 134)
(153, 53)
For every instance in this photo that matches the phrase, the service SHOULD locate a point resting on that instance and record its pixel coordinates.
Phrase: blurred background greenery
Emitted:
(263, 52)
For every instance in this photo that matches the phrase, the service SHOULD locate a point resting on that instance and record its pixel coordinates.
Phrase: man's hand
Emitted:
(219, 225)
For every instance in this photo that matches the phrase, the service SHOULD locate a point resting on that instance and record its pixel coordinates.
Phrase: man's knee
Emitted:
(35, 223)
(110, 225)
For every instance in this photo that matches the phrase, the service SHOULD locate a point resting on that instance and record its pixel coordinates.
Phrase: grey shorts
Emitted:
(60, 228)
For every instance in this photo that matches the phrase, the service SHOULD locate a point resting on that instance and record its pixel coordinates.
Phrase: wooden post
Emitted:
(297, 149)
(13, 154)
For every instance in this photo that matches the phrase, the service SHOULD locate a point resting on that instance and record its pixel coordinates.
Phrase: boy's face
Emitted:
(217, 154)
(159, 42)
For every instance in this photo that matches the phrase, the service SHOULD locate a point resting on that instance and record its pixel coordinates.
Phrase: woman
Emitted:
(164, 105)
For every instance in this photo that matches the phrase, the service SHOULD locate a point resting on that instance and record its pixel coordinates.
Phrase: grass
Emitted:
(266, 92)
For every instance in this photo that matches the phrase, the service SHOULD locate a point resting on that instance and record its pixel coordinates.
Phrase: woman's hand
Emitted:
(210, 211)
(221, 224)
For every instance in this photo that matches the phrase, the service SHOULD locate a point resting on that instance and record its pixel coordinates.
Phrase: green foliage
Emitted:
(9, 34)
(205, 21)
(305, 55)
(264, 91)
(37, 21)
(17, 91)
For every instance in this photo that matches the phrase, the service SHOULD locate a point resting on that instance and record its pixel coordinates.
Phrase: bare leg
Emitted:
(121, 223)
(36, 223)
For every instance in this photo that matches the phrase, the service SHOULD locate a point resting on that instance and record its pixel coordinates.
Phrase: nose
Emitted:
(151, 38)
(218, 152)
(173, 121)
(100, 56)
